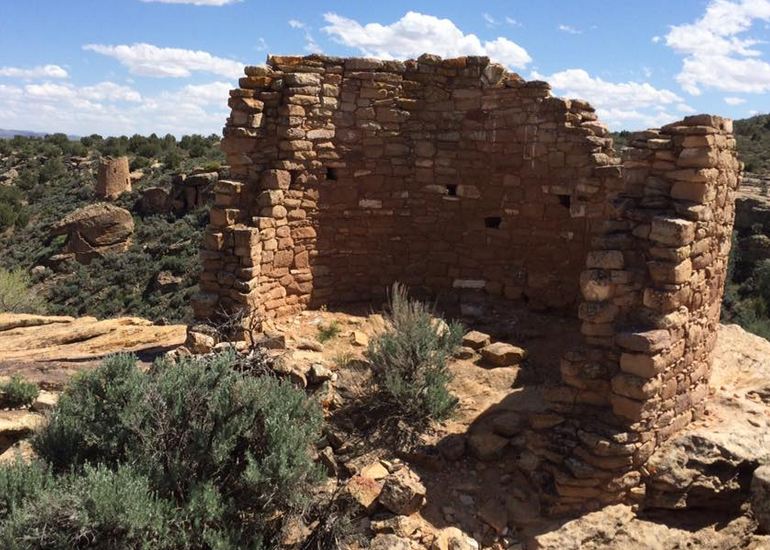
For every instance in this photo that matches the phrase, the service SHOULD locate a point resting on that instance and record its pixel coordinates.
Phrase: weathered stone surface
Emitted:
(26, 337)
(616, 528)
(476, 340)
(155, 200)
(363, 491)
(451, 538)
(95, 230)
(403, 493)
(389, 542)
(501, 354)
(486, 445)
(113, 178)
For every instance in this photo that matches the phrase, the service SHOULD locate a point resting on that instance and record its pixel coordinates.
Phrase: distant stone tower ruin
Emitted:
(114, 178)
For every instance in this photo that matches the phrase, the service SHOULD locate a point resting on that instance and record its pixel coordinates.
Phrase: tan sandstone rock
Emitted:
(95, 230)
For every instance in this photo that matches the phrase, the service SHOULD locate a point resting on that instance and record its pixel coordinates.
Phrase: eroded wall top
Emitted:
(442, 174)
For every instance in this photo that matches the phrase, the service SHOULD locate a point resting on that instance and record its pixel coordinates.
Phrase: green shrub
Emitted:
(90, 423)
(20, 481)
(98, 509)
(15, 295)
(230, 449)
(328, 332)
(410, 360)
(17, 393)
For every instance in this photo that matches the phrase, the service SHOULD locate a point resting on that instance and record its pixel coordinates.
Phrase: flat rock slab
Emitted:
(476, 340)
(19, 423)
(501, 354)
(38, 338)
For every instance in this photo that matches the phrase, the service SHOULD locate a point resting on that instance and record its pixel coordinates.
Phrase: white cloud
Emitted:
(417, 33)
(513, 22)
(311, 46)
(195, 2)
(621, 105)
(735, 100)
(569, 29)
(41, 71)
(113, 109)
(149, 60)
(717, 52)
(491, 21)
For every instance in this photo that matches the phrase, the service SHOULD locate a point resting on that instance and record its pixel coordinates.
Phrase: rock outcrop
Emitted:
(710, 465)
(40, 338)
(95, 230)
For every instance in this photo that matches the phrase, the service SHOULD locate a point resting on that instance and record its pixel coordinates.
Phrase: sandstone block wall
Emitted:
(349, 174)
(113, 178)
(652, 292)
(455, 175)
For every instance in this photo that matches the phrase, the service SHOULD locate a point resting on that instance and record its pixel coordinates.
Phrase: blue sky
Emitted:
(127, 66)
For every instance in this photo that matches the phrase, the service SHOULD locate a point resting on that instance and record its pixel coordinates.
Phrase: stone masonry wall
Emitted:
(350, 174)
(457, 176)
(652, 293)
(113, 178)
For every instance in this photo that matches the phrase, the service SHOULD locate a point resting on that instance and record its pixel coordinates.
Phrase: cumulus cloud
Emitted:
(195, 2)
(112, 109)
(41, 71)
(621, 105)
(149, 60)
(735, 100)
(417, 33)
(717, 51)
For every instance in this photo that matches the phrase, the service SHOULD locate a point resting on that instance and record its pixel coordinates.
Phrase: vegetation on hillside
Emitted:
(753, 136)
(55, 176)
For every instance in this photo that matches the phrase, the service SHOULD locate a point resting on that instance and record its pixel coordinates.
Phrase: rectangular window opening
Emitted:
(451, 189)
(331, 174)
(493, 222)
(565, 200)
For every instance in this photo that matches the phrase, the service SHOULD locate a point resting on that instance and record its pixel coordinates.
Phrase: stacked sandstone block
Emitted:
(447, 175)
(652, 293)
(113, 178)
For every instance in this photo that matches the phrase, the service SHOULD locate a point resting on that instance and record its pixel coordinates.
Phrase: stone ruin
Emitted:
(113, 178)
(454, 174)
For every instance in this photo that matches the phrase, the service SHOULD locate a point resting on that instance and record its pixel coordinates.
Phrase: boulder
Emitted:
(166, 281)
(200, 339)
(760, 497)
(95, 230)
(155, 200)
(403, 493)
(476, 340)
(709, 465)
(389, 542)
(486, 445)
(363, 492)
(501, 354)
(451, 538)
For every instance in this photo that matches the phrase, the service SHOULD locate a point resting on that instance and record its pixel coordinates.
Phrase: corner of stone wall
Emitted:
(652, 293)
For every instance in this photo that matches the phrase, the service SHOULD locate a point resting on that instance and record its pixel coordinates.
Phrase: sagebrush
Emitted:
(410, 359)
(17, 392)
(15, 294)
(206, 457)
